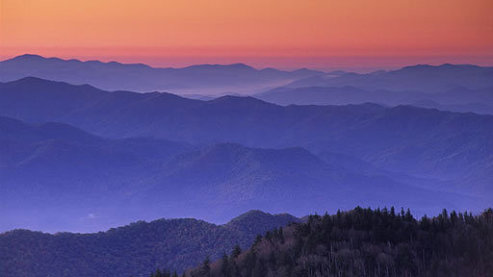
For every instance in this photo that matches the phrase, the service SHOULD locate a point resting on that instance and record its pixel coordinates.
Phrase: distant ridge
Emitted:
(195, 79)
(449, 87)
(423, 78)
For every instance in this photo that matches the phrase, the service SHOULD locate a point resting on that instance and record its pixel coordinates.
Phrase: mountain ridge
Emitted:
(210, 78)
(438, 152)
(100, 181)
(384, 242)
(130, 249)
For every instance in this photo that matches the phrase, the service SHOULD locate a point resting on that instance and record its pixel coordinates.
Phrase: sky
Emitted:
(323, 34)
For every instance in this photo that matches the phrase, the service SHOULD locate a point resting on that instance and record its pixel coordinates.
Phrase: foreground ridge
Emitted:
(130, 250)
(366, 242)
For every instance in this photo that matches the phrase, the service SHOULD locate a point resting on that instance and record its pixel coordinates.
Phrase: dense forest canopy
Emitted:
(366, 242)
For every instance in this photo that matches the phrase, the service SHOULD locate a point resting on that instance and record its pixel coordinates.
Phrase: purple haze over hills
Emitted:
(115, 157)
(462, 88)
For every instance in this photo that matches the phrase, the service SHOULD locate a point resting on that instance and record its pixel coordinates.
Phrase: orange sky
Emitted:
(282, 33)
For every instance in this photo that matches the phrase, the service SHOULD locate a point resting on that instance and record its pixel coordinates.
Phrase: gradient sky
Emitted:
(282, 33)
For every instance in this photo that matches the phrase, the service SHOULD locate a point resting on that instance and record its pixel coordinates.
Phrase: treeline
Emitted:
(366, 242)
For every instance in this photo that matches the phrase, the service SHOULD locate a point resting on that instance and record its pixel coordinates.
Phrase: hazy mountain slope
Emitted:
(139, 77)
(51, 145)
(428, 143)
(103, 182)
(425, 78)
(458, 99)
(38, 100)
(461, 88)
(52, 167)
(319, 96)
(133, 250)
(224, 179)
(420, 144)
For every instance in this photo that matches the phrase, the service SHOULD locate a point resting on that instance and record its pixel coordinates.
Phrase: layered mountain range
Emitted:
(209, 79)
(460, 88)
(87, 146)
(114, 157)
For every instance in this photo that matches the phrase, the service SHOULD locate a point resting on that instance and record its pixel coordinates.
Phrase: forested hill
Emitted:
(365, 242)
(132, 250)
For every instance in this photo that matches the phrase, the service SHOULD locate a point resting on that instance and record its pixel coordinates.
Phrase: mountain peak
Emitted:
(234, 66)
(249, 220)
(233, 99)
(250, 214)
(35, 83)
(240, 65)
(420, 67)
(34, 58)
(28, 57)
(30, 79)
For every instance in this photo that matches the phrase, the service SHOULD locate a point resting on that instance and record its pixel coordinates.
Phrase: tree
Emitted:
(366, 242)
(236, 251)
(206, 267)
(225, 270)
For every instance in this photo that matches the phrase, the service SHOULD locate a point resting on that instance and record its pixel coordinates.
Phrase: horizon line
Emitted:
(369, 68)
